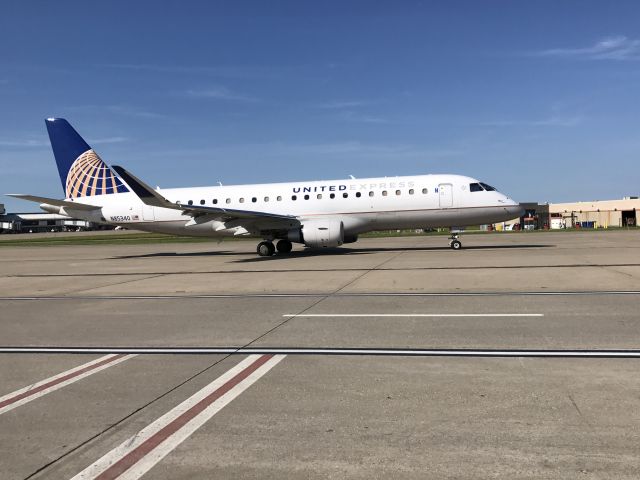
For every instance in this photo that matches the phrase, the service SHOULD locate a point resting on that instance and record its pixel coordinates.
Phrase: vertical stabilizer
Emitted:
(82, 171)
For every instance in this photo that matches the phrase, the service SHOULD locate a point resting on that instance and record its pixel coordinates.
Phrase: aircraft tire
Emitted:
(284, 246)
(456, 244)
(266, 249)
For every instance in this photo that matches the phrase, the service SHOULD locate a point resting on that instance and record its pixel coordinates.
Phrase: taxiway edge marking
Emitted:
(31, 392)
(138, 454)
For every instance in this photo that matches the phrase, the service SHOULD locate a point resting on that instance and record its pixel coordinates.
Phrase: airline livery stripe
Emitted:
(137, 455)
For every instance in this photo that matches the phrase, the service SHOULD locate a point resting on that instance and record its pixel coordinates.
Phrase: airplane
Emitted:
(317, 214)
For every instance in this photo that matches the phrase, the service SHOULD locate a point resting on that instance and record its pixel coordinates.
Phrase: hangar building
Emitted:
(599, 213)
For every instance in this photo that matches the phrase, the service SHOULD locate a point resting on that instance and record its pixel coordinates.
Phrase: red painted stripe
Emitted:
(52, 383)
(142, 450)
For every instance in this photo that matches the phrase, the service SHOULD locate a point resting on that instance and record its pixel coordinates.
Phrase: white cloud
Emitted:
(23, 143)
(356, 117)
(280, 150)
(131, 111)
(125, 110)
(220, 93)
(36, 143)
(341, 104)
(106, 140)
(555, 121)
(610, 48)
(224, 71)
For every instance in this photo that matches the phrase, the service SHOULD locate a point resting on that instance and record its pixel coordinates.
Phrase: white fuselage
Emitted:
(361, 204)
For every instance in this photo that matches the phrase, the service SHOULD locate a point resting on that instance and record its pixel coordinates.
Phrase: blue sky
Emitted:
(540, 98)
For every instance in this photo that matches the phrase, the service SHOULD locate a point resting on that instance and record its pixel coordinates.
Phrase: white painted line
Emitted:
(397, 352)
(27, 394)
(137, 455)
(404, 315)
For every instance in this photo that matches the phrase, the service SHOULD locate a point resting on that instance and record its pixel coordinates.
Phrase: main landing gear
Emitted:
(267, 249)
(284, 246)
(454, 243)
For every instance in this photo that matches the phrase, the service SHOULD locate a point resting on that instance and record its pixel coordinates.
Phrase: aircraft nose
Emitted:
(515, 209)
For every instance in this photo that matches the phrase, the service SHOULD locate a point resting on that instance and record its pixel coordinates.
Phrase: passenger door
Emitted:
(445, 193)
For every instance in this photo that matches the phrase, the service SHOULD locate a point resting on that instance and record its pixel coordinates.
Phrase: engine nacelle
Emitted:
(353, 238)
(323, 233)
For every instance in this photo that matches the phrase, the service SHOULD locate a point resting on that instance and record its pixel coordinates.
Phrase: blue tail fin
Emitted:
(82, 171)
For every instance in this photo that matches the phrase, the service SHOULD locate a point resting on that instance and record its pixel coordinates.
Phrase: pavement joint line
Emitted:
(348, 351)
(56, 382)
(139, 453)
(132, 280)
(318, 295)
(409, 315)
(319, 270)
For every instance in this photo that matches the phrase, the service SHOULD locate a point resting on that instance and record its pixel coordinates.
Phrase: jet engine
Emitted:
(350, 238)
(322, 233)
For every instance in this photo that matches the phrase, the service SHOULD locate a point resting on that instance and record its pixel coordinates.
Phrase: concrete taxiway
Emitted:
(323, 365)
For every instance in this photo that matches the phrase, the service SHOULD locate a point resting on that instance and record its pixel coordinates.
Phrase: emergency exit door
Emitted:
(445, 191)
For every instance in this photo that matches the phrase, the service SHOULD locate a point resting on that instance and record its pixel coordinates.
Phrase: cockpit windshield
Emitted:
(480, 187)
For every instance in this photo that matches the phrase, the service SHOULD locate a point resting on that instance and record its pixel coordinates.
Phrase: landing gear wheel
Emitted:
(284, 246)
(266, 249)
(455, 244)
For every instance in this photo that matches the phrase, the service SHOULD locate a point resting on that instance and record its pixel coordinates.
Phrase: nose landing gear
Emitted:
(454, 243)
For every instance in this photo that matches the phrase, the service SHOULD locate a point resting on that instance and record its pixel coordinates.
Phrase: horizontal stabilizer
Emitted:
(53, 201)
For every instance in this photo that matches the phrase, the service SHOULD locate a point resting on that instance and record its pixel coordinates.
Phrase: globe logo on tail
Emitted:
(89, 176)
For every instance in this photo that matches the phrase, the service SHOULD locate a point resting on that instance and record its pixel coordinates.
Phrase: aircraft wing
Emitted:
(249, 219)
(53, 201)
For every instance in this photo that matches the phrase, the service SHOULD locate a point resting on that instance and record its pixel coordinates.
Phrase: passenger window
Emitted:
(306, 197)
(319, 196)
(358, 194)
(475, 187)
(333, 195)
(242, 200)
(384, 193)
(254, 199)
(345, 195)
(424, 190)
(371, 193)
(228, 200)
(190, 202)
(293, 197)
(279, 198)
(201, 202)
(397, 192)
(215, 200)
(266, 199)
(411, 191)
